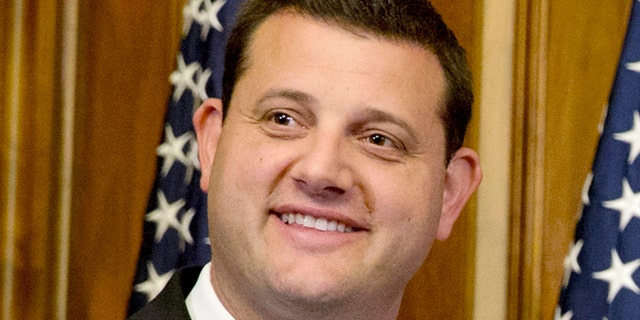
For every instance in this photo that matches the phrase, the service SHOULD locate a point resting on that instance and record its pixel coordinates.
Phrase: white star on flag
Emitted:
(628, 204)
(633, 66)
(209, 17)
(632, 137)
(182, 78)
(154, 283)
(619, 275)
(189, 14)
(183, 228)
(571, 261)
(212, 13)
(200, 90)
(165, 216)
(172, 149)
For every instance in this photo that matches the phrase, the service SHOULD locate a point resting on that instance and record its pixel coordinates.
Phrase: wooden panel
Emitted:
(127, 51)
(6, 18)
(531, 41)
(6, 47)
(443, 288)
(35, 231)
(568, 51)
(33, 228)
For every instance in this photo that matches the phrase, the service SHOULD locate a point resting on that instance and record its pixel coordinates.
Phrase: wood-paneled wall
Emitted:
(126, 52)
(566, 52)
(566, 57)
(29, 140)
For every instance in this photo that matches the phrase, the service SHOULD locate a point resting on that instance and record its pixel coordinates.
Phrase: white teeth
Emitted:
(321, 224)
(309, 221)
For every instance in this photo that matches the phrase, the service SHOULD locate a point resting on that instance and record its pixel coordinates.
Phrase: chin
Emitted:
(312, 289)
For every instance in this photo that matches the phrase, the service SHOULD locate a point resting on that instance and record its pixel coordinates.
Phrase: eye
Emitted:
(283, 119)
(384, 146)
(380, 140)
(283, 124)
(384, 141)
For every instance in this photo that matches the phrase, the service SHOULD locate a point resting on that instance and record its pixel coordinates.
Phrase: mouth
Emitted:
(320, 224)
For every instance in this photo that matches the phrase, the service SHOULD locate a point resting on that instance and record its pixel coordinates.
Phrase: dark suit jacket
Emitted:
(170, 303)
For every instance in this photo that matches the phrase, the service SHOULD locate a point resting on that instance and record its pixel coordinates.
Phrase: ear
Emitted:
(462, 178)
(207, 122)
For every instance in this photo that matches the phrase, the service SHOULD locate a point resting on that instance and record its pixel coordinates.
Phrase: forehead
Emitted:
(291, 34)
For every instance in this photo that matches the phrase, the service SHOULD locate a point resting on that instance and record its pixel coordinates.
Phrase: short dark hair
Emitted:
(414, 21)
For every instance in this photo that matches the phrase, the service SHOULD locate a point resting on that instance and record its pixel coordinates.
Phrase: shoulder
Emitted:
(169, 304)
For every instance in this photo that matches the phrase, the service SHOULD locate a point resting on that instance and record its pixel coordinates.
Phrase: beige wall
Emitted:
(495, 110)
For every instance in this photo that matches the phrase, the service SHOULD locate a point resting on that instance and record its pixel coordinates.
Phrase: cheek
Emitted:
(407, 218)
(410, 207)
(247, 168)
(242, 177)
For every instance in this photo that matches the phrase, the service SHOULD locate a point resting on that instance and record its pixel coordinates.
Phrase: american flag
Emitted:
(175, 224)
(601, 269)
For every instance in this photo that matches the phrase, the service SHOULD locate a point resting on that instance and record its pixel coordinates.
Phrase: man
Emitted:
(332, 163)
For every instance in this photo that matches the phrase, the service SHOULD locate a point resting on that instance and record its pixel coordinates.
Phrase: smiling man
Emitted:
(334, 164)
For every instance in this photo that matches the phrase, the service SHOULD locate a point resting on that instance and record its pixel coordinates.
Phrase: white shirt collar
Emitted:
(202, 302)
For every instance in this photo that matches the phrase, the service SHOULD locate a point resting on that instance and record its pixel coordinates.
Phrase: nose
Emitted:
(323, 169)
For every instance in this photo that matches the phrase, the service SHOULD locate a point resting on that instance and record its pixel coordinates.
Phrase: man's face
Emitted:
(329, 174)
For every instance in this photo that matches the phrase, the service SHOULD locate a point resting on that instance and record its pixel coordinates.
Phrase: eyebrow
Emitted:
(294, 95)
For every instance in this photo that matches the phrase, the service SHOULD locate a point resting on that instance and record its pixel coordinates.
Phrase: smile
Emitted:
(320, 224)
